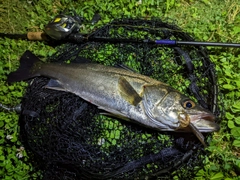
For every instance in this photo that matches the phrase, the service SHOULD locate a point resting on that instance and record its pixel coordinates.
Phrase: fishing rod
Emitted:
(80, 38)
(65, 28)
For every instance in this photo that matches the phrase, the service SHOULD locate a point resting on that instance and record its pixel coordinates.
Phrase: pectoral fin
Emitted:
(55, 85)
(128, 92)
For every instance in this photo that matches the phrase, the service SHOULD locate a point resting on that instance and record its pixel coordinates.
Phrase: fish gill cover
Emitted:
(69, 139)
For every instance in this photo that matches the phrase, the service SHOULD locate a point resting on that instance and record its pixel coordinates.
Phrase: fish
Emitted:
(122, 93)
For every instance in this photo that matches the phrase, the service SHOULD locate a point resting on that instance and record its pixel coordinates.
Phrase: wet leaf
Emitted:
(235, 132)
(236, 143)
(229, 115)
(217, 176)
(237, 120)
(231, 124)
(229, 86)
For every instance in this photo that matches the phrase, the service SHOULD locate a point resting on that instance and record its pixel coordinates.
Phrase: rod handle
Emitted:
(37, 36)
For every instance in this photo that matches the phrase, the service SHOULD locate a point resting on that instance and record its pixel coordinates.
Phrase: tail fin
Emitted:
(24, 71)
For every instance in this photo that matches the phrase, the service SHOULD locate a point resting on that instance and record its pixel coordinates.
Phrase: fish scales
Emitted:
(99, 85)
(122, 93)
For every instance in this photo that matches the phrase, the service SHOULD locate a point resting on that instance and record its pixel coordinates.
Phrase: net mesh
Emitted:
(69, 139)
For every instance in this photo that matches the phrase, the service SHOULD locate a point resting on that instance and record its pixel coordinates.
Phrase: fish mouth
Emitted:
(204, 122)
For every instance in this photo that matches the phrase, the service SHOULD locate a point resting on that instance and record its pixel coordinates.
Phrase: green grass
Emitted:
(216, 20)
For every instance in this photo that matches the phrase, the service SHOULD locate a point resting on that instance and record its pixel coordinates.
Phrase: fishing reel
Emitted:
(62, 26)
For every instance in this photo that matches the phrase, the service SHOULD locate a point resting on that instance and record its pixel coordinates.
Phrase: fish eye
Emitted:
(188, 104)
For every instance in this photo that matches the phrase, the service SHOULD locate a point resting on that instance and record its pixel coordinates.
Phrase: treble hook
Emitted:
(17, 108)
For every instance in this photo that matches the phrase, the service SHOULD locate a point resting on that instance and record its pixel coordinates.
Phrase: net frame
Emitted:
(71, 140)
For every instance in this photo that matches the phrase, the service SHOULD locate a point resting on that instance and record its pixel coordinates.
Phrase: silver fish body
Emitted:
(106, 87)
(123, 93)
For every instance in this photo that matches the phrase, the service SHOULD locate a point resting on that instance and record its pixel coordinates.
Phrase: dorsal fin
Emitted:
(123, 66)
(81, 59)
